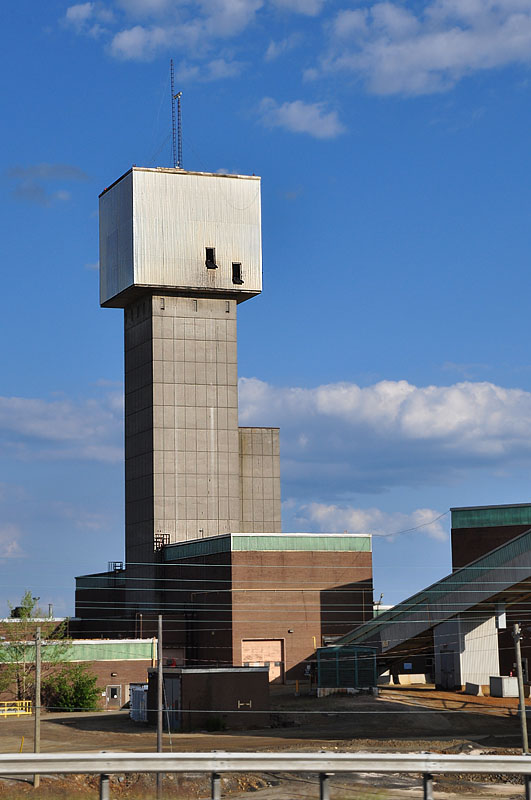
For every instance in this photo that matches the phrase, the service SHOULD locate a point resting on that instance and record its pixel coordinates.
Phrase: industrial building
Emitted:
(116, 663)
(203, 543)
(459, 627)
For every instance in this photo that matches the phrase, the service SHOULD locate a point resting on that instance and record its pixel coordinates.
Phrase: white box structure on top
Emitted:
(180, 232)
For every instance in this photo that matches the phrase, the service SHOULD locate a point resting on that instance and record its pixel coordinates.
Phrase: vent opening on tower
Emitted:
(210, 259)
(237, 273)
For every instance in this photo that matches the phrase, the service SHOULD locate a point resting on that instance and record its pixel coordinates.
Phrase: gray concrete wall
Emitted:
(182, 447)
(139, 490)
(260, 480)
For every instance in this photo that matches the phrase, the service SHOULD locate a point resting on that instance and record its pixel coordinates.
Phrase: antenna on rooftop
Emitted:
(176, 126)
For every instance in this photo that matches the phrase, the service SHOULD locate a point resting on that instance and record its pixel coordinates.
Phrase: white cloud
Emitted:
(349, 23)
(79, 14)
(143, 29)
(342, 439)
(88, 18)
(398, 51)
(300, 117)
(215, 70)
(145, 8)
(283, 46)
(50, 429)
(309, 8)
(228, 17)
(332, 518)
(140, 43)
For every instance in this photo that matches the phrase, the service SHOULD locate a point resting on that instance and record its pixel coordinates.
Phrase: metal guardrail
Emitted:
(14, 708)
(323, 763)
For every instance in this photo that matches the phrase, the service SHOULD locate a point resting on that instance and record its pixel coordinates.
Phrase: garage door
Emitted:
(265, 653)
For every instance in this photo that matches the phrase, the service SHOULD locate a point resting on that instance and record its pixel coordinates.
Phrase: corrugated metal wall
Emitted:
(155, 226)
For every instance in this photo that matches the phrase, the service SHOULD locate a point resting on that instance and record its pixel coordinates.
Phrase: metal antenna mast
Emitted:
(176, 127)
(179, 132)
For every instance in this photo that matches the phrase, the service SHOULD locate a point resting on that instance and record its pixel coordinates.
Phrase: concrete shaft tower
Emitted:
(178, 252)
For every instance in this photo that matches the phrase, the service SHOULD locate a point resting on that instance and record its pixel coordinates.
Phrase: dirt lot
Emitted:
(402, 720)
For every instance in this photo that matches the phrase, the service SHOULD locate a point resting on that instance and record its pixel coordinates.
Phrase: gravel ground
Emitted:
(400, 720)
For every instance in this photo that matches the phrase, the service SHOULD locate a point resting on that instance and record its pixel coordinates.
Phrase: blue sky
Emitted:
(391, 342)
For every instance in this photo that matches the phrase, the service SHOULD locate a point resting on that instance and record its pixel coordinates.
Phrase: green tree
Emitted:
(27, 609)
(71, 688)
(17, 650)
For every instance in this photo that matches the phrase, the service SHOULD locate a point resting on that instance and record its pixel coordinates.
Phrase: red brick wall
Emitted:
(471, 543)
(313, 594)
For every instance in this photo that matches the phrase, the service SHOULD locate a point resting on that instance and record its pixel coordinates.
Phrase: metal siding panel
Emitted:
(479, 657)
(177, 215)
(491, 517)
(299, 542)
(197, 547)
(116, 239)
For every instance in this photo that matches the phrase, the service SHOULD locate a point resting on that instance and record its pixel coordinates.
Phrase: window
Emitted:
(113, 694)
(237, 273)
(210, 259)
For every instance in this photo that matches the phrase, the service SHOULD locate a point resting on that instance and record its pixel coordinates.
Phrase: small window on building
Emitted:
(113, 694)
(210, 259)
(237, 273)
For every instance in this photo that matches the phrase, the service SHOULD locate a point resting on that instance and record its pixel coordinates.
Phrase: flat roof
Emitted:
(283, 542)
(179, 171)
(481, 508)
(491, 516)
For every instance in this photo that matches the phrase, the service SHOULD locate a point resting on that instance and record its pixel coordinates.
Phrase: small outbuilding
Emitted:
(211, 698)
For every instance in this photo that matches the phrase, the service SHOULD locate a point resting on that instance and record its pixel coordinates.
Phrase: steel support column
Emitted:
(104, 788)
(216, 786)
(324, 785)
(427, 781)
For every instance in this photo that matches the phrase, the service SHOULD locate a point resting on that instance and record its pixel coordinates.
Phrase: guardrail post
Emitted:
(104, 787)
(216, 786)
(427, 781)
(324, 785)
(527, 784)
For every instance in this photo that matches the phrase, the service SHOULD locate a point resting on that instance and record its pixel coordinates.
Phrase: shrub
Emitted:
(72, 688)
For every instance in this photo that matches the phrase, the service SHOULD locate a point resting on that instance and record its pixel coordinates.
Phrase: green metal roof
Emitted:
(491, 516)
(197, 547)
(244, 542)
(307, 542)
(111, 650)
(82, 650)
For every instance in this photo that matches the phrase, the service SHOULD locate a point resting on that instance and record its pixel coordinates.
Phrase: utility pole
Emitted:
(37, 701)
(517, 636)
(160, 678)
